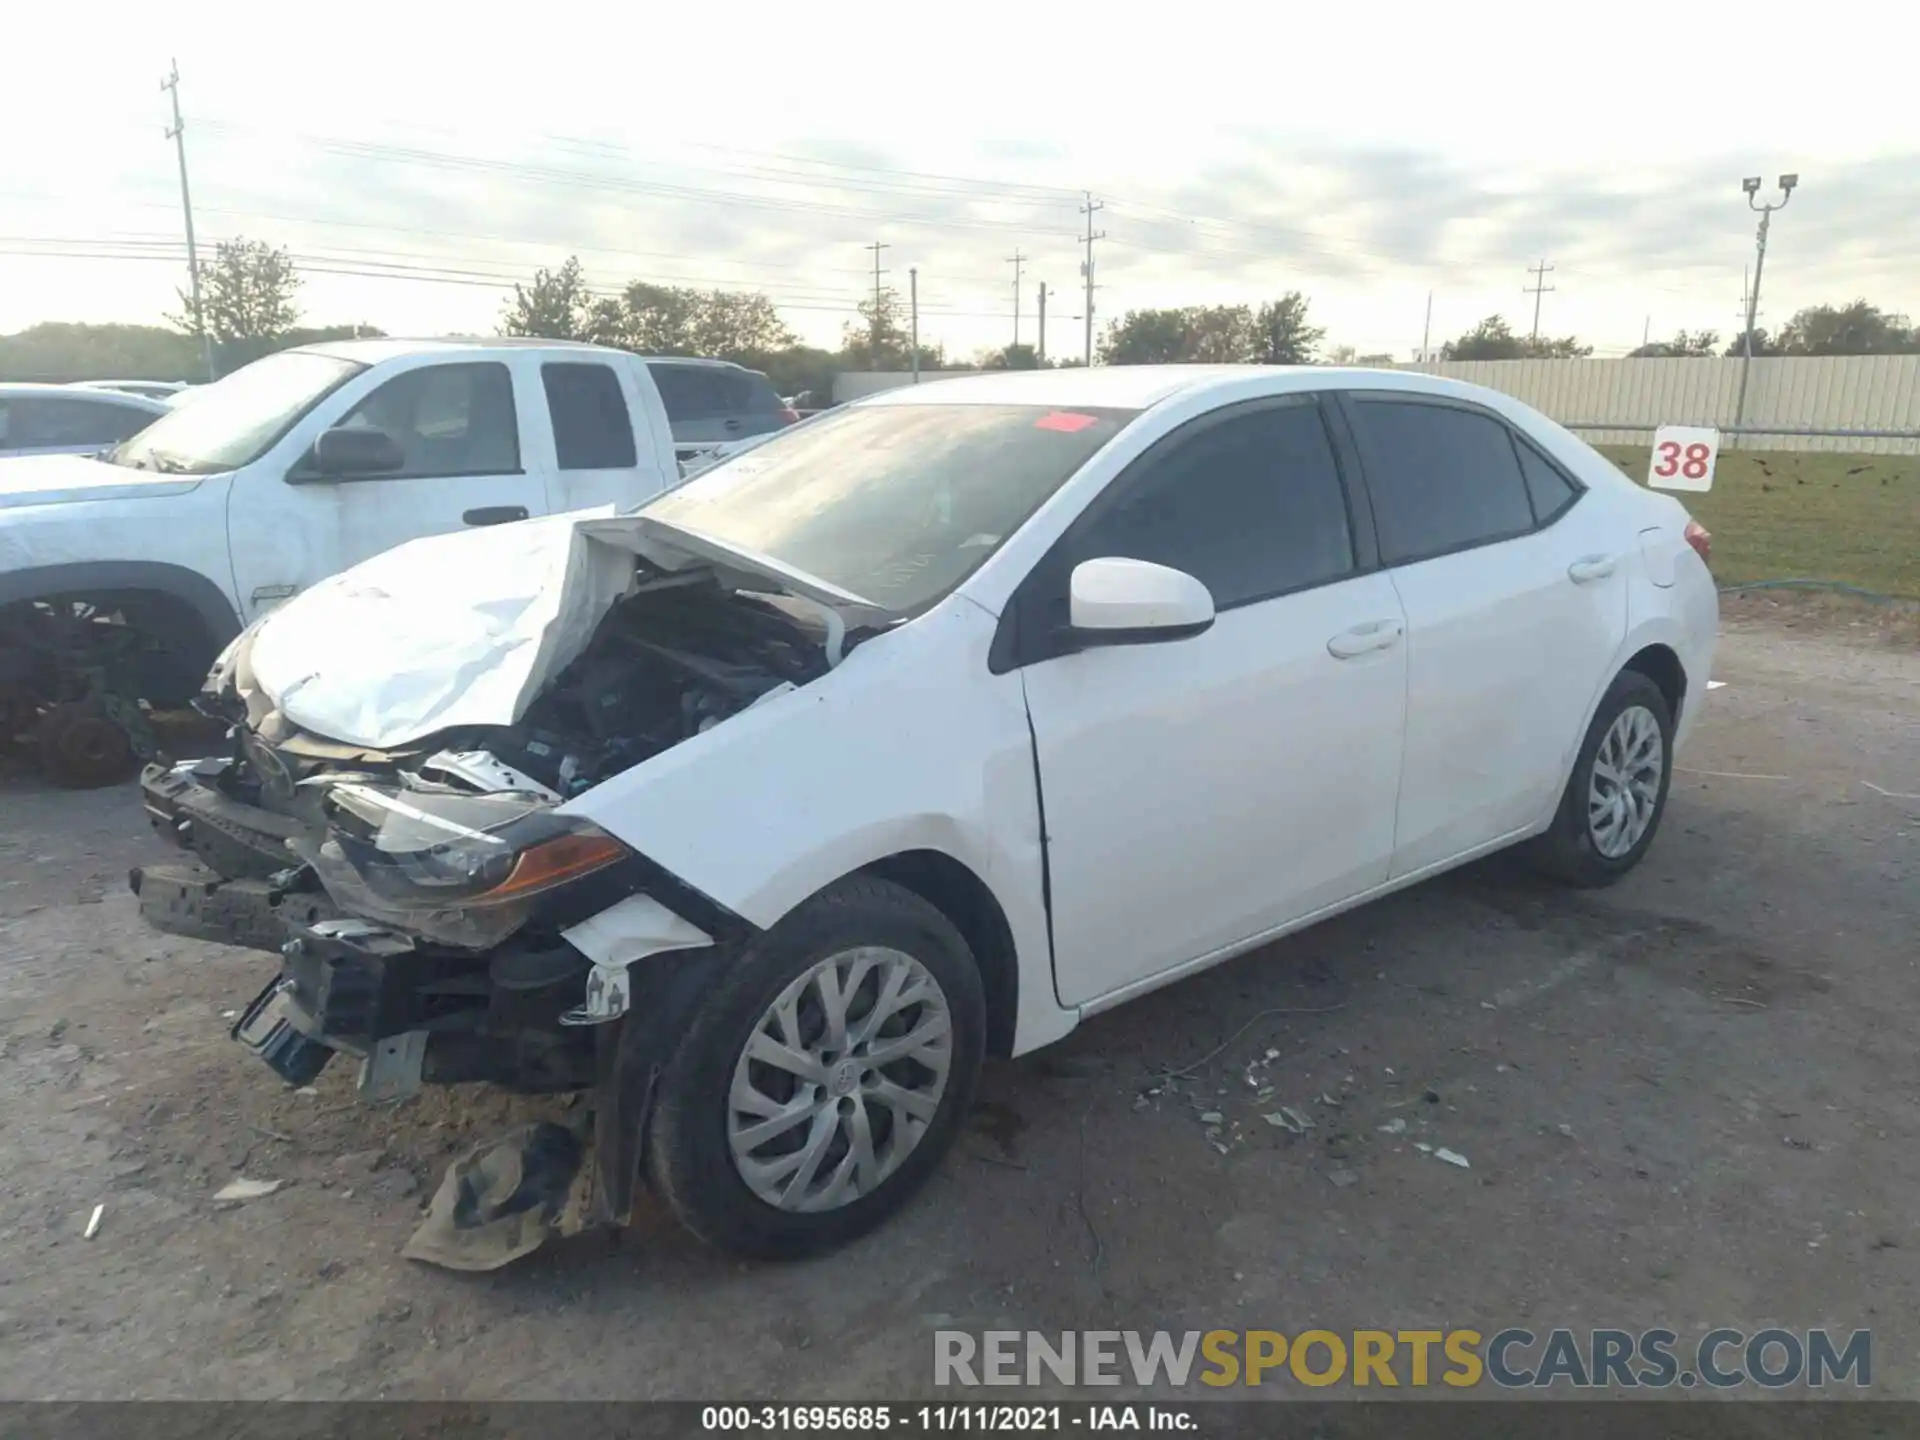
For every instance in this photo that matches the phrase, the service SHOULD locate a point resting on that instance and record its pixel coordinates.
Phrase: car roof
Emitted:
(21, 389)
(1141, 387)
(391, 347)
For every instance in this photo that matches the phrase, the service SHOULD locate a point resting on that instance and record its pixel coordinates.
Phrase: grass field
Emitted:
(1802, 515)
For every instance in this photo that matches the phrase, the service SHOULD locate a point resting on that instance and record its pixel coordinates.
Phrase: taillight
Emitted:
(788, 415)
(1701, 539)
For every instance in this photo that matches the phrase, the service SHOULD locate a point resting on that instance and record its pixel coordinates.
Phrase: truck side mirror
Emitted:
(350, 450)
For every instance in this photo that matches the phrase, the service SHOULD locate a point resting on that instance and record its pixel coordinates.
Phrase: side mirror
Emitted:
(352, 450)
(1114, 601)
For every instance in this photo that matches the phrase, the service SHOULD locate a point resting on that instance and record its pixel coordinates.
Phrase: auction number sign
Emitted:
(1683, 457)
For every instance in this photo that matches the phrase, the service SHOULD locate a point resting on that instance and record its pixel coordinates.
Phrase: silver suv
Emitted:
(714, 402)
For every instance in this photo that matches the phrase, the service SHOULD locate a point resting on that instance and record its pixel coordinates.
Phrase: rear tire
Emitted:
(1617, 793)
(849, 1146)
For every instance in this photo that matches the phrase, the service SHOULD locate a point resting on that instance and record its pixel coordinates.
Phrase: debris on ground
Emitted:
(503, 1198)
(1288, 1118)
(240, 1189)
(93, 1224)
(1565, 1129)
(1452, 1157)
(1396, 1126)
(1342, 1178)
(1212, 1117)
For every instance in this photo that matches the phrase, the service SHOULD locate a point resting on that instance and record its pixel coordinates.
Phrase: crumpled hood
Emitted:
(63, 479)
(466, 629)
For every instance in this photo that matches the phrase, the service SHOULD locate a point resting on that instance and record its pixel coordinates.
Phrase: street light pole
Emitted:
(1765, 210)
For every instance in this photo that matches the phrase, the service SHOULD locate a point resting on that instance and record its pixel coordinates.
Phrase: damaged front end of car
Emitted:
(439, 917)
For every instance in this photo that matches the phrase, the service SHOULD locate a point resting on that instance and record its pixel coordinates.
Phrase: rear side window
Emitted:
(591, 427)
(1252, 507)
(690, 392)
(1442, 478)
(750, 393)
(68, 420)
(1547, 484)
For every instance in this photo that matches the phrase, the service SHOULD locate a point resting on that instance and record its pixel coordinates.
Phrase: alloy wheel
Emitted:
(839, 1079)
(1624, 790)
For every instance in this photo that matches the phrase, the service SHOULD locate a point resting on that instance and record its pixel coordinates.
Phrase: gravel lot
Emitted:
(1689, 1100)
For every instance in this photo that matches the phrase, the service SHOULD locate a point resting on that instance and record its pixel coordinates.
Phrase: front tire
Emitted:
(824, 1076)
(1617, 793)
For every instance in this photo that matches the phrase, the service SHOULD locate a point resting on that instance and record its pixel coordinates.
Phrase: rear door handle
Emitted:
(733, 424)
(1363, 639)
(495, 515)
(1589, 568)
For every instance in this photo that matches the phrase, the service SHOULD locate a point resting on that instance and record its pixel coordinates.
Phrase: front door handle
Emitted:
(495, 515)
(1363, 639)
(733, 424)
(1589, 568)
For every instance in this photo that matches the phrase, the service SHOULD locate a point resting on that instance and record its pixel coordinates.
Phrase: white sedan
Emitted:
(921, 732)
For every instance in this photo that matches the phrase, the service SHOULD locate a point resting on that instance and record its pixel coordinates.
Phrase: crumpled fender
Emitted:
(796, 792)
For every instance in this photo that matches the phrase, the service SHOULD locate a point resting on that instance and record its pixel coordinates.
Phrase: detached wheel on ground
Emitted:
(823, 1077)
(1614, 799)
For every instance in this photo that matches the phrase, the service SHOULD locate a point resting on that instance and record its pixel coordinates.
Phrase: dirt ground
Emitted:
(1689, 1100)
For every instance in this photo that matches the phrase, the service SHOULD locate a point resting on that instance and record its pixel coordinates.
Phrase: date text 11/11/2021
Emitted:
(944, 1419)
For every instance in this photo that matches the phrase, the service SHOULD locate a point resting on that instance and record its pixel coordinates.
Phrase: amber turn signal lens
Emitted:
(555, 862)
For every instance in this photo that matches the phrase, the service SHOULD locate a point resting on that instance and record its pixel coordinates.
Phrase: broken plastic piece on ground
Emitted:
(1396, 1126)
(93, 1222)
(241, 1188)
(503, 1198)
(1288, 1118)
(1452, 1157)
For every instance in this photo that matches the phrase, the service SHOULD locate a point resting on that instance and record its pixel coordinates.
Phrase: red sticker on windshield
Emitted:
(1064, 420)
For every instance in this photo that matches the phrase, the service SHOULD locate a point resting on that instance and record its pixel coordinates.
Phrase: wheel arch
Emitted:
(187, 589)
(1661, 663)
(953, 889)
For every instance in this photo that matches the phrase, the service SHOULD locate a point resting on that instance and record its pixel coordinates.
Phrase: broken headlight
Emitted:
(464, 870)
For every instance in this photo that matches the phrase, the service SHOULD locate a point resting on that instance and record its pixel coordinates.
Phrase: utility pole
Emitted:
(1041, 353)
(1646, 331)
(1016, 260)
(1766, 208)
(1086, 266)
(913, 320)
(1537, 289)
(178, 134)
(875, 321)
(1426, 332)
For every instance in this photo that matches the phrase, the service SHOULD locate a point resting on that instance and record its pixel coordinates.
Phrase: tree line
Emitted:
(249, 306)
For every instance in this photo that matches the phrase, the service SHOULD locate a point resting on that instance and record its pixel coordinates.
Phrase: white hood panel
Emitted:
(452, 630)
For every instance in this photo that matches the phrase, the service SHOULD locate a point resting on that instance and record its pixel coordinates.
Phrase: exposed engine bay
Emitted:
(438, 876)
(674, 658)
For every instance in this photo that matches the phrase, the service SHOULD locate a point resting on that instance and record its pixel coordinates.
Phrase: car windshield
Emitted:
(897, 503)
(235, 420)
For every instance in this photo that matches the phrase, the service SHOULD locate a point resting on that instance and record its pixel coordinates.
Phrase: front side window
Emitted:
(447, 420)
(1251, 506)
(1442, 478)
(591, 427)
(897, 503)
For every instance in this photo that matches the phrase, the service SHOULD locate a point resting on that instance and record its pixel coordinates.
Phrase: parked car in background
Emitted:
(62, 420)
(923, 731)
(715, 402)
(122, 575)
(151, 389)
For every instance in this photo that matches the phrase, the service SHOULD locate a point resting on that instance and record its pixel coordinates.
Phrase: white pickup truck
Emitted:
(123, 575)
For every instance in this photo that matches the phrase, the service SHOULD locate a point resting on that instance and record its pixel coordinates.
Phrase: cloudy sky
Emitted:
(415, 156)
